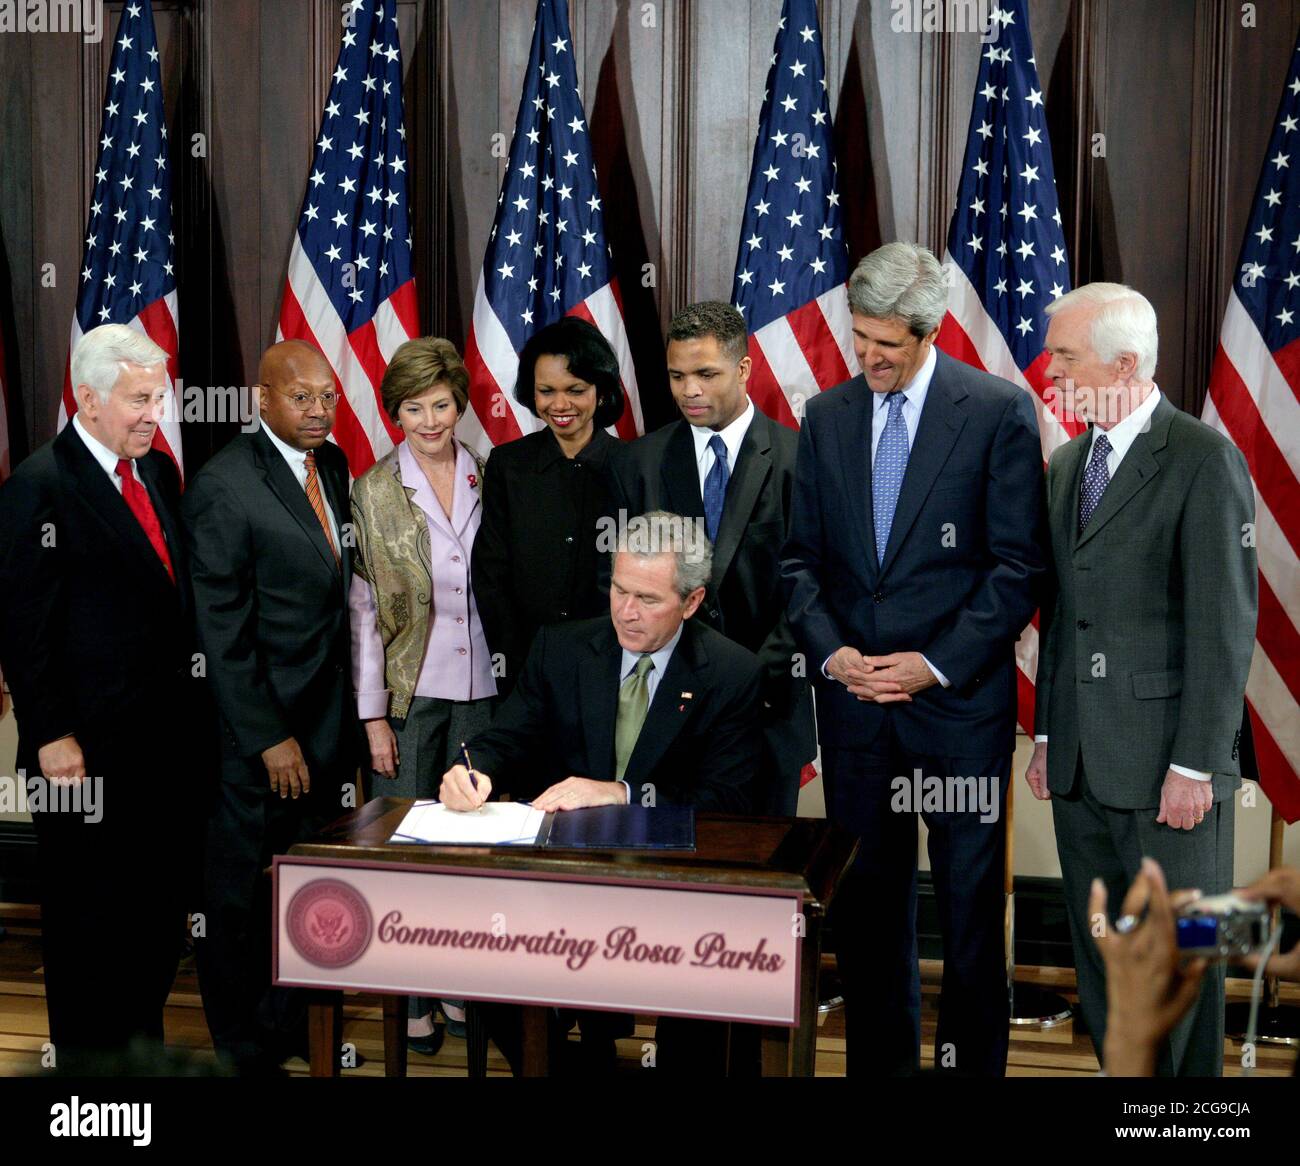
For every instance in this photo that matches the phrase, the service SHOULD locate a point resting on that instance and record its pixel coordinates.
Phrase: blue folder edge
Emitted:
(620, 828)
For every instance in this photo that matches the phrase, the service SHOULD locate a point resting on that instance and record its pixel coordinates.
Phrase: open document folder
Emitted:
(494, 824)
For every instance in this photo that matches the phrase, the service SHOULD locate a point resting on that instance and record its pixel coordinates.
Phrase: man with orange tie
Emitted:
(271, 568)
(96, 644)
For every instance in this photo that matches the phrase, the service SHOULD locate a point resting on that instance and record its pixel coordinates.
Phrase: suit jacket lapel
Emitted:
(171, 531)
(855, 464)
(598, 699)
(1063, 504)
(680, 474)
(680, 686)
(936, 434)
(753, 467)
(1135, 471)
(283, 484)
(111, 508)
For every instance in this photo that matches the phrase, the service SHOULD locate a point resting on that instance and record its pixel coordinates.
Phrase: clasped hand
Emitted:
(888, 679)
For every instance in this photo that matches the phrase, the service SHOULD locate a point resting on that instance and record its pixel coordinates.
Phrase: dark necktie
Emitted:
(715, 487)
(1096, 477)
(136, 498)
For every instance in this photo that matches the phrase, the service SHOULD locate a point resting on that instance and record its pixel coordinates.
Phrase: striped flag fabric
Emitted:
(350, 290)
(128, 273)
(1006, 258)
(1254, 386)
(792, 265)
(546, 256)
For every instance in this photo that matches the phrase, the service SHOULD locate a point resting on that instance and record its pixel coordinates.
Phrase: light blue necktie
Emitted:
(887, 472)
(715, 487)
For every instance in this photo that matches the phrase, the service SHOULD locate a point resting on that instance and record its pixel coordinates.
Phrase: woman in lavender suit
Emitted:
(420, 663)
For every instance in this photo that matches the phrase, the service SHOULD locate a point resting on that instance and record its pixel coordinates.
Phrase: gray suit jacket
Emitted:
(1143, 660)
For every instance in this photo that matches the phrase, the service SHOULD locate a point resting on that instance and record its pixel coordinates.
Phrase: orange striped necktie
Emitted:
(313, 496)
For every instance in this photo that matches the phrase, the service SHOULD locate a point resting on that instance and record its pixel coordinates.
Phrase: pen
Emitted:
(473, 781)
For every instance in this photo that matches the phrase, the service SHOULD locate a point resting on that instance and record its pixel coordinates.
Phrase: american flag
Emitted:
(793, 264)
(1252, 399)
(128, 273)
(1006, 257)
(349, 289)
(546, 256)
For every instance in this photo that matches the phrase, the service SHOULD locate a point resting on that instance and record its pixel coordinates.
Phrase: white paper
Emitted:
(494, 824)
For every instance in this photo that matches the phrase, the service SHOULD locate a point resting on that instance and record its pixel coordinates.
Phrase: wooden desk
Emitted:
(801, 856)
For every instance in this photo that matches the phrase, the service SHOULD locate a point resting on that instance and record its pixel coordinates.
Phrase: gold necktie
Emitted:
(633, 703)
(313, 496)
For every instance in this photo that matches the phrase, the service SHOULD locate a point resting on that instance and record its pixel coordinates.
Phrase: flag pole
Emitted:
(1278, 1023)
(1032, 1006)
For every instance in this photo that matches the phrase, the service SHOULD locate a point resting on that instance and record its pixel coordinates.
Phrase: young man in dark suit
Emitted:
(733, 467)
(645, 706)
(1147, 646)
(97, 645)
(911, 569)
(265, 522)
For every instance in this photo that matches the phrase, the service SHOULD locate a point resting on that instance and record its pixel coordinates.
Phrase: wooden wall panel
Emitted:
(1183, 91)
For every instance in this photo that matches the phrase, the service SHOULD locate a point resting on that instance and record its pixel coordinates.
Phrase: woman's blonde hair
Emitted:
(419, 365)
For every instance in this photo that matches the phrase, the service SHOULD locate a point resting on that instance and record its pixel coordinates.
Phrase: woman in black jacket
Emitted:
(535, 558)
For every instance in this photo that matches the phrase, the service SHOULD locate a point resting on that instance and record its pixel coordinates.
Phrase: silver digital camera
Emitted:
(1222, 927)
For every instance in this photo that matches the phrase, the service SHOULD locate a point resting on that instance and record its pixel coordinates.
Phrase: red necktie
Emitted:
(137, 498)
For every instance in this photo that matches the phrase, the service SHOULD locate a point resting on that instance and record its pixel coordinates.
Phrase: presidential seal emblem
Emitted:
(329, 923)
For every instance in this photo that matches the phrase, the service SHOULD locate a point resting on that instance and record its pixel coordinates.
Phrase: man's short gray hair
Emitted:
(660, 532)
(902, 280)
(98, 358)
(1125, 322)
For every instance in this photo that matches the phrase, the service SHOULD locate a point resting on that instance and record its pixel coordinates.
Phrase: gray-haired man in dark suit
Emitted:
(1143, 662)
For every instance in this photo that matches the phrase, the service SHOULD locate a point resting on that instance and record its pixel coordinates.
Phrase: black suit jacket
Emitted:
(95, 638)
(272, 603)
(535, 560)
(962, 569)
(699, 743)
(745, 600)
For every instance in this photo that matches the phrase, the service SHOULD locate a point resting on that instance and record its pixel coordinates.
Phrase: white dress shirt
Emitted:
(1121, 436)
(914, 394)
(296, 459)
(102, 454)
(732, 435)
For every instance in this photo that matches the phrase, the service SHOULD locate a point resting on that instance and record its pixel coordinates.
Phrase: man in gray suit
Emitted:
(1142, 665)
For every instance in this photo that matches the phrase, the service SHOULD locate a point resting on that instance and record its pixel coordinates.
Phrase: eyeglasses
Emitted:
(304, 401)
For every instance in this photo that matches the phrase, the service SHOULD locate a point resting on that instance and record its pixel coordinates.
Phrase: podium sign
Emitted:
(666, 949)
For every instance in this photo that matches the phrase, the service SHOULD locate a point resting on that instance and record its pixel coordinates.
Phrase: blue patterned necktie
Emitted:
(887, 472)
(715, 487)
(1096, 477)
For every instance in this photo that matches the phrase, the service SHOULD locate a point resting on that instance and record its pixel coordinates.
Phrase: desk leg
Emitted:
(535, 1033)
(776, 1051)
(805, 1036)
(325, 1032)
(394, 1036)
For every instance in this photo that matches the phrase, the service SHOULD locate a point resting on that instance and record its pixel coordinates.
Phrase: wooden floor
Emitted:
(1056, 1052)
